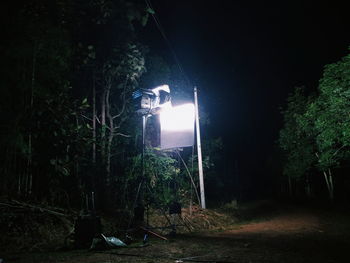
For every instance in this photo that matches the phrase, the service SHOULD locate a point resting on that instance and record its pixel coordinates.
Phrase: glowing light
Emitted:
(179, 118)
(177, 126)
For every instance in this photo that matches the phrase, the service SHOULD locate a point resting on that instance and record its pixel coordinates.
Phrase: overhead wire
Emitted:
(177, 61)
(167, 41)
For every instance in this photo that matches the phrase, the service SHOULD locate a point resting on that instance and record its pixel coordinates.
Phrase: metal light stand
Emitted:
(138, 206)
(199, 151)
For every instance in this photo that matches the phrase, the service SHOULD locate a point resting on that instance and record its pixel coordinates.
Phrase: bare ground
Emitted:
(279, 234)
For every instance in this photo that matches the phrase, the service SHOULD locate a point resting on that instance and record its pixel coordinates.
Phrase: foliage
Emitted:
(332, 114)
(50, 50)
(161, 172)
(295, 142)
(68, 70)
(316, 132)
(44, 138)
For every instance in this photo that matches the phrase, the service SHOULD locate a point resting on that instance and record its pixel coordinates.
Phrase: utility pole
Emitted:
(199, 151)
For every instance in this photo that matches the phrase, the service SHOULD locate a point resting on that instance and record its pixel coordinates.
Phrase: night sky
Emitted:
(245, 57)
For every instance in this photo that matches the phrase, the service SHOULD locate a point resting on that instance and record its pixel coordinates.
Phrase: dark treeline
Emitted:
(315, 137)
(68, 126)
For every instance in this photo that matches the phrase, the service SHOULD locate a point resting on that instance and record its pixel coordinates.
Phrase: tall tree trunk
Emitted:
(103, 126)
(93, 122)
(19, 184)
(29, 179)
(308, 187)
(331, 193)
(110, 138)
(108, 159)
(329, 182)
(290, 189)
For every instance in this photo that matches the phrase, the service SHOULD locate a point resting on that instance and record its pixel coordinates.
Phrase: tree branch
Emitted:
(98, 120)
(86, 117)
(122, 134)
(338, 150)
(124, 101)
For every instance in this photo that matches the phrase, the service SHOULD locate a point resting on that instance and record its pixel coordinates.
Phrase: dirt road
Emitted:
(292, 234)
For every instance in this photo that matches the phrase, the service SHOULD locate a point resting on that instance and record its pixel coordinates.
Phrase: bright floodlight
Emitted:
(177, 126)
(178, 118)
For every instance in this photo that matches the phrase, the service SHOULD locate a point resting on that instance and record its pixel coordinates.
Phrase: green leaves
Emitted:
(332, 121)
(160, 171)
(150, 11)
(318, 126)
(294, 137)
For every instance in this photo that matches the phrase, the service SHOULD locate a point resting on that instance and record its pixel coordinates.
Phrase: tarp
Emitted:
(177, 126)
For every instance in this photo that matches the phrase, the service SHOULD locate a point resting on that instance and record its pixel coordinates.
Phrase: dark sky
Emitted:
(246, 56)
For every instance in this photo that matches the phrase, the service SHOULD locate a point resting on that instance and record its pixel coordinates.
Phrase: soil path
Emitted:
(288, 234)
(289, 222)
(292, 234)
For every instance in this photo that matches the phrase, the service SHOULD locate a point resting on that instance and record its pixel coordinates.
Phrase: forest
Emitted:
(315, 137)
(72, 143)
(69, 126)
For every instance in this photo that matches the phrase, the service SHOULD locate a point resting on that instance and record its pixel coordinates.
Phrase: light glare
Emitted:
(179, 118)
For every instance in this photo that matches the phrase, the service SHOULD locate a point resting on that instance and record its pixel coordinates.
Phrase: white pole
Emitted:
(199, 151)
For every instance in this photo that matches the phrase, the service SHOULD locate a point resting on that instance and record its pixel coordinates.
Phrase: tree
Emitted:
(330, 114)
(45, 136)
(316, 132)
(111, 61)
(297, 143)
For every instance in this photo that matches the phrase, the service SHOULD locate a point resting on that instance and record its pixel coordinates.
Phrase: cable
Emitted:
(161, 30)
(189, 174)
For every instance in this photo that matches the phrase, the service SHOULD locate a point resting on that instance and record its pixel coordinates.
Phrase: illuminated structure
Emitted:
(177, 123)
